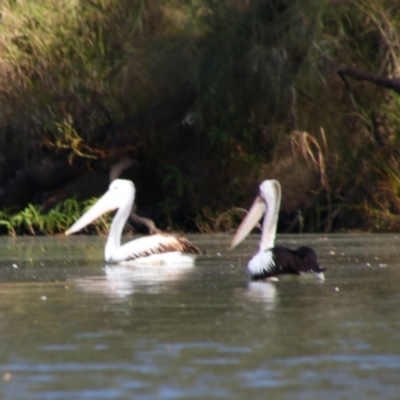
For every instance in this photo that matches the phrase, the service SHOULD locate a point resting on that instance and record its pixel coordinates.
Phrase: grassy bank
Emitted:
(267, 103)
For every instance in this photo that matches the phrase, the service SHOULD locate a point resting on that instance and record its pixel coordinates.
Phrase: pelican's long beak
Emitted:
(108, 202)
(257, 210)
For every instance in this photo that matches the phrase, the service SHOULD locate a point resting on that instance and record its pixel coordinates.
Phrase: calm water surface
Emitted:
(72, 328)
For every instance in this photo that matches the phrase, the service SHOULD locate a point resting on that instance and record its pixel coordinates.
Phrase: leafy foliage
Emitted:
(263, 70)
(33, 220)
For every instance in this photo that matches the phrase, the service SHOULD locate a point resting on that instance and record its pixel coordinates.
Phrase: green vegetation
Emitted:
(267, 103)
(35, 221)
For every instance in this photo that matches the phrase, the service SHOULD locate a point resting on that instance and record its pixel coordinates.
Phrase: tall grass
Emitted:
(85, 62)
(262, 69)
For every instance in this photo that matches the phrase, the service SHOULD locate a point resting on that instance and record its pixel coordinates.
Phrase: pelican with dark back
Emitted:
(272, 261)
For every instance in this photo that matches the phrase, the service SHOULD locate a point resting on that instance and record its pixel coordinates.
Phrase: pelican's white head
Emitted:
(271, 193)
(269, 198)
(120, 190)
(120, 193)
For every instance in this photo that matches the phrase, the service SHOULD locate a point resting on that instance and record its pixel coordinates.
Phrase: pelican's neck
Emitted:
(117, 226)
(272, 196)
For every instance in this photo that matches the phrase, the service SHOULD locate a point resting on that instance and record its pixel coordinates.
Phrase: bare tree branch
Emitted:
(388, 83)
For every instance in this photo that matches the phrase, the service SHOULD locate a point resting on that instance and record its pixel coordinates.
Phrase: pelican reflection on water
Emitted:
(120, 281)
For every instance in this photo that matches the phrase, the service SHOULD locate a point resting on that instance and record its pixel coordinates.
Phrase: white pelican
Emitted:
(271, 261)
(160, 248)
